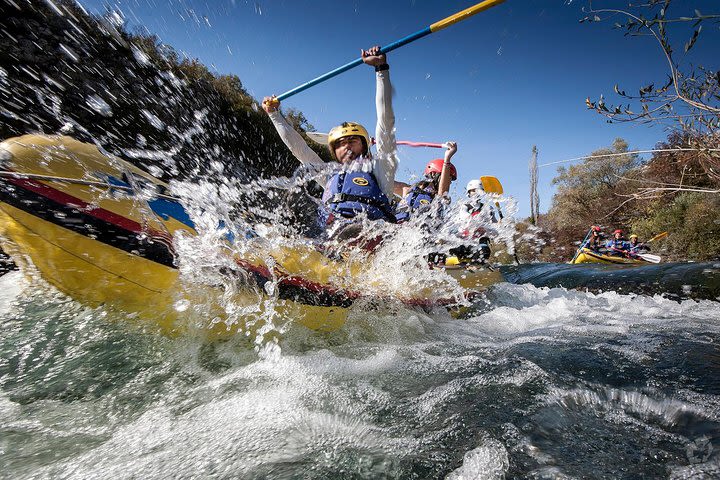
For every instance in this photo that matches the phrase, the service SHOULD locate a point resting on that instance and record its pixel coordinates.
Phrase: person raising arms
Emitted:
(438, 175)
(357, 183)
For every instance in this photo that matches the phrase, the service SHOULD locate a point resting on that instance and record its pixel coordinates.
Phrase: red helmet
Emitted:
(595, 228)
(618, 231)
(436, 166)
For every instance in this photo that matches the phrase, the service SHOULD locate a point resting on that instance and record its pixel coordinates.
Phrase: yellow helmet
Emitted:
(348, 129)
(633, 236)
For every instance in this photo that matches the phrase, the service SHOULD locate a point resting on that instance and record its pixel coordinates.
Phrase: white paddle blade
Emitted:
(318, 137)
(649, 257)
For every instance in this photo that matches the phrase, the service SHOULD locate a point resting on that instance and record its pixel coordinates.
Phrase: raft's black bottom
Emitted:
(6, 264)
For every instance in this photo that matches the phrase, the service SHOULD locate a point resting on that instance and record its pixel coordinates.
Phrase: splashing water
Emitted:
(532, 383)
(543, 382)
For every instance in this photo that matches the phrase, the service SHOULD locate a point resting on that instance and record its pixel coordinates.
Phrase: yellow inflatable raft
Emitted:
(79, 217)
(588, 256)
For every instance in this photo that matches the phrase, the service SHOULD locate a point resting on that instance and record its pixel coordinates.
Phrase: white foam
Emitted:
(534, 309)
(230, 428)
(642, 404)
(488, 461)
(11, 285)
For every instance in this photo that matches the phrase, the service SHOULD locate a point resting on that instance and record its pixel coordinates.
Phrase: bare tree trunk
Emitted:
(534, 197)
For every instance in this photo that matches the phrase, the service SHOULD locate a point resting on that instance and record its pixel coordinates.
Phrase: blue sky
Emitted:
(511, 77)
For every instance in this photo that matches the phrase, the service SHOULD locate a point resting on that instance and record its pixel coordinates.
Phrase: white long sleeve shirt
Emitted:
(383, 166)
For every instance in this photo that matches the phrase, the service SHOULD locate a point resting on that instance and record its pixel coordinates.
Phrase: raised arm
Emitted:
(445, 176)
(385, 128)
(294, 141)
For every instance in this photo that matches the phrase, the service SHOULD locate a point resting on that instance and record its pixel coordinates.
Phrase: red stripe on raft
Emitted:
(315, 287)
(295, 281)
(74, 202)
(97, 212)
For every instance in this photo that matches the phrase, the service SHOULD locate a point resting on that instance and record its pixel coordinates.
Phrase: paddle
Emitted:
(435, 27)
(649, 257)
(581, 245)
(658, 237)
(420, 144)
(322, 139)
(493, 185)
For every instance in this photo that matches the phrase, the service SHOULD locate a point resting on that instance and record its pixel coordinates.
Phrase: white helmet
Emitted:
(473, 185)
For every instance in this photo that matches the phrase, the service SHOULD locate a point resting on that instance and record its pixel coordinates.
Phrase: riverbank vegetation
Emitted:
(64, 70)
(674, 191)
(678, 188)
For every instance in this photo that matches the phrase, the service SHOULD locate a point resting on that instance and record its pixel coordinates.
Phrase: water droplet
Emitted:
(70, 53)
(99, 105)
(182, 305)
(155, 170)
(140, 56)
(153, 119)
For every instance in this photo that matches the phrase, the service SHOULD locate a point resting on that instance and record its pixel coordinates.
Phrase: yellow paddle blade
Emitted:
(658, 237)
(491, 185)
(452, 261)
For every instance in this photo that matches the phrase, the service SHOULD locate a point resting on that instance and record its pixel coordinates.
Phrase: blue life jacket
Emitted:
(417, 199)
(350, 193)
(614, 246)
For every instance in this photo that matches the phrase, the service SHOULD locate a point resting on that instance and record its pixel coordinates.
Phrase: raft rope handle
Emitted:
(92, 183)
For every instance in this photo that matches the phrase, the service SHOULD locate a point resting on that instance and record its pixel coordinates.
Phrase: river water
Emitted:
(538, 382)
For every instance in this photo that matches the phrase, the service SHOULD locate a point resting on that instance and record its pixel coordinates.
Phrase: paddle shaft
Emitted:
(420, 144)
(658, 237)
(435, 27)
(321, 138)
(416, 144)
(581, 246)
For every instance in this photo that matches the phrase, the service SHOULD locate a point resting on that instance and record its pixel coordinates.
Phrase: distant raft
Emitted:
(588, 256)
(88, 225)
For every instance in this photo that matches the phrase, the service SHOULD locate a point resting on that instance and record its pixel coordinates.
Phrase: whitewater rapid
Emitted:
(538, 382)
